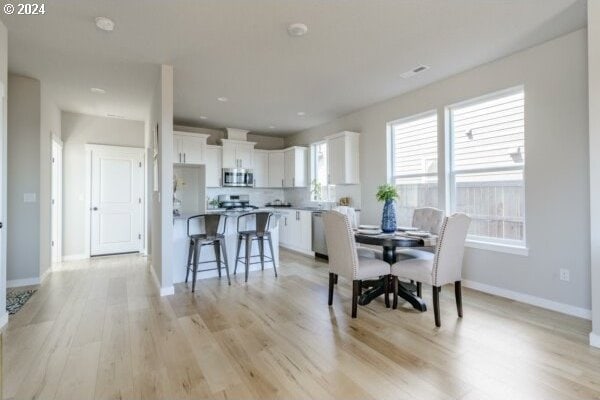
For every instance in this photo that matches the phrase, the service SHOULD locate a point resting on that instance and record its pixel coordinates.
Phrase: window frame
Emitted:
(518, 247)
(313, 172)
(391, 156)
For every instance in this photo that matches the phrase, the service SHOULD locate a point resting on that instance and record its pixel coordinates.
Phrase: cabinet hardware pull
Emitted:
(184, 158)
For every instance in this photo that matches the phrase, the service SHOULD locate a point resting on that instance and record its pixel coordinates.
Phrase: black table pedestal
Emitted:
(406, 290)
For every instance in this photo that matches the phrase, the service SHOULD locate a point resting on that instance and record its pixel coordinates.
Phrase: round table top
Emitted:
(389, 240)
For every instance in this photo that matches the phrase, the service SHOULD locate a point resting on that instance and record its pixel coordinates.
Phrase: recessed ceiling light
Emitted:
(297, 29)
(414, 71)
(203, 117)
(104, 23)
(98, 90)
(222, 99)
(301, 113)
(271, 126)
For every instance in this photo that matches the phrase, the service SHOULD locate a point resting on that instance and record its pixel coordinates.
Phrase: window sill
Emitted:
(501, 248)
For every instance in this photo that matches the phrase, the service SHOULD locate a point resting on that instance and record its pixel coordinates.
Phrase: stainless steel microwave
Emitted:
(238, 177)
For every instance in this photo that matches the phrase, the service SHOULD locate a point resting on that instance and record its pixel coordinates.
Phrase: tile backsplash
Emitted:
(258, 197)
(299, 197)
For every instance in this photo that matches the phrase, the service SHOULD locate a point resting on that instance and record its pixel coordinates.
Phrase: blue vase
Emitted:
(388, 220)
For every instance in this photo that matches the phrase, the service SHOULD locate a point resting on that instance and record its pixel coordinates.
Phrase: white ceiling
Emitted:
(351, 57)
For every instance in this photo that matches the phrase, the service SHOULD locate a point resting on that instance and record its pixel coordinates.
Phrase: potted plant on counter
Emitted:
(387, 194)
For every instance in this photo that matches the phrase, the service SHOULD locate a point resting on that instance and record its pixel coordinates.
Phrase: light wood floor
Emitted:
(98, 330)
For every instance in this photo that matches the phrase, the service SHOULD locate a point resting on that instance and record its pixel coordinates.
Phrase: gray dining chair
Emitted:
(443, 267)
(427, 219)
(344, 259)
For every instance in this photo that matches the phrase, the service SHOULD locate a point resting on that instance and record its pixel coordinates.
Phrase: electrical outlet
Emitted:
(565, 275)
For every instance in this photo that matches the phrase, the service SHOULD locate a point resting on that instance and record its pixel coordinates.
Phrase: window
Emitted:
(320, 190)
(414, 144)
(487, 154)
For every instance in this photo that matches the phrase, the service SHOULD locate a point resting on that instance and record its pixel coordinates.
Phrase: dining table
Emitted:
(390, 242)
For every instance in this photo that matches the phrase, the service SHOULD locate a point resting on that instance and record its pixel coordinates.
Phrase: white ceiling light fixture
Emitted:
(414, 71)
(301, 113)
(297, 29)
(271, 126)
(203, 117)
(105, 24)
(222, 99)
(98, 90)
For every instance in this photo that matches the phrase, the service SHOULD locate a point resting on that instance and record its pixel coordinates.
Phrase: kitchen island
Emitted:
(181, 246)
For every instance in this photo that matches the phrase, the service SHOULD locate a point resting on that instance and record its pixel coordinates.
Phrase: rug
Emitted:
(16, 299)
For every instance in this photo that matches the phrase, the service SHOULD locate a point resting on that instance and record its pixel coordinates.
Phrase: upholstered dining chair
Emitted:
(428, 219)
(363, 251)
(344, 259)
(445, 266)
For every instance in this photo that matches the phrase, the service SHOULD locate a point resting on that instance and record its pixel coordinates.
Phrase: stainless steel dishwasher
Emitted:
(319, 245)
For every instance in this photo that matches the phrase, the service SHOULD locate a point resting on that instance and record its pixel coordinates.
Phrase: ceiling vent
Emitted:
(414, 71)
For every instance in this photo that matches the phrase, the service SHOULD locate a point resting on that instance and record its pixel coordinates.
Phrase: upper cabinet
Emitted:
(261, 168)
(213, 166)
(295, 167)
(276, 169)
(343, 166)
(238, 154)
(189, 148)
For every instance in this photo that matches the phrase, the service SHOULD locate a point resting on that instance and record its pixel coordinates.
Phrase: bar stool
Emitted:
(261, 231)
(211, 229)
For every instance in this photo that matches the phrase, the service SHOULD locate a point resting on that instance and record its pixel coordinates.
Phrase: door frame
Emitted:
(59, 201)
(89, 148)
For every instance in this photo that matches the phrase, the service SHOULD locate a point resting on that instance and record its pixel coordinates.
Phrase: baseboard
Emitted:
(529, 299)
(163, 291)
(13, 283)
(3, 319)
(75, 257)
(594, 340)
(45, 275)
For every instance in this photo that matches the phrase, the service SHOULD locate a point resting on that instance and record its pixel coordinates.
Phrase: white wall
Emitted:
(3, 172)
(594, 134)
(162, 200)
(554, 75)
(23, 219)
(50, 120)
(77, 131)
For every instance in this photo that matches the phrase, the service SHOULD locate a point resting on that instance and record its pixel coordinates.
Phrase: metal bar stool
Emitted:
(211, 229)
(261, 231)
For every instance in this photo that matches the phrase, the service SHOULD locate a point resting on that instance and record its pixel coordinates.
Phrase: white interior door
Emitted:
(117, 185)
(56, 244)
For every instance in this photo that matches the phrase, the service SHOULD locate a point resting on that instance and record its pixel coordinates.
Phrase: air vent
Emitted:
(414, 71)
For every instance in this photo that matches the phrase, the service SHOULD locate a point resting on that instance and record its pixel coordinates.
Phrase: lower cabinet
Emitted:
(295, 230)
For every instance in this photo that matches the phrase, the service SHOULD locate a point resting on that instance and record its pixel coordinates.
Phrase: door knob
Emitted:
(95, 208)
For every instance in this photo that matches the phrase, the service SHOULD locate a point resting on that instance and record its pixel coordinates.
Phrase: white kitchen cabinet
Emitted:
(189, 148)
(261, 168)
(276, 169)
(237, 154)
(295, 230)
(342, 153)
(213, 166)
(285, 227)
(295, 167)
